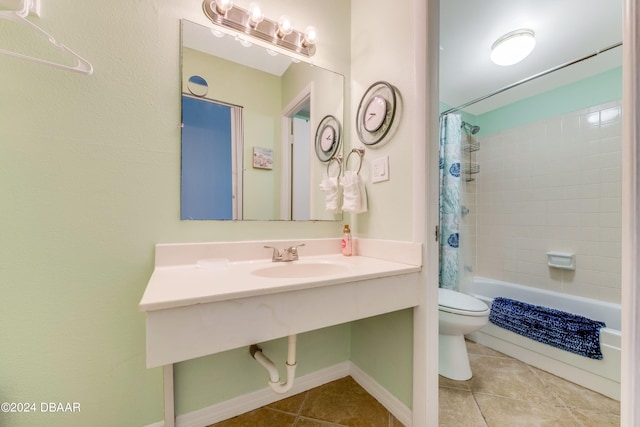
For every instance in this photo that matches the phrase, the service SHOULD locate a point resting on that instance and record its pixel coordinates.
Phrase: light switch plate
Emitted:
(380, 169)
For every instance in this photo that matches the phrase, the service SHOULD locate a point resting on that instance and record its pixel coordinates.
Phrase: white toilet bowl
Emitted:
(458, 314)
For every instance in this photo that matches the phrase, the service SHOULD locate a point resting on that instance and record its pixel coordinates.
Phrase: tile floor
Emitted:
(341, 403)
(503, 392)
(506, 392)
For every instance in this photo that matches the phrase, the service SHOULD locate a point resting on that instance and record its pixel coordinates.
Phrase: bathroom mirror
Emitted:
(259, 116)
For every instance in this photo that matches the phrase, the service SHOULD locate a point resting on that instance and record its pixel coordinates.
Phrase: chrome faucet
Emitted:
(287, 254)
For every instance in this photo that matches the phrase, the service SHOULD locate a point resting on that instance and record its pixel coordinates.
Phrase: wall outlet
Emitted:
(380, 169)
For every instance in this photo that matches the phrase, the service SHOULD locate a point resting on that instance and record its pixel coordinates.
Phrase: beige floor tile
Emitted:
(394, 422)
(595, 419)
(502, 393)
(344, 402)
(291, 404)
(460, 385)
(307, 422)
(508, 378)
(575, 396)
(501, 412)
(262, 417)
(458, 408)
(474, 348)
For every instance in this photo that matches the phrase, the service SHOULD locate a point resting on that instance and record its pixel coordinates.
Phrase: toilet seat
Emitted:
(458, 303)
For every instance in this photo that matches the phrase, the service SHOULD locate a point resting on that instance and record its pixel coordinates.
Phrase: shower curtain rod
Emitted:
(528, 79)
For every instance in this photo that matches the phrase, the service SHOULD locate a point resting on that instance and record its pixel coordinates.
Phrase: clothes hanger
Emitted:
(20, 17)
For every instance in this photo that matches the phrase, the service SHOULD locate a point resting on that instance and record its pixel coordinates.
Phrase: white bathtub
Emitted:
(602, 376)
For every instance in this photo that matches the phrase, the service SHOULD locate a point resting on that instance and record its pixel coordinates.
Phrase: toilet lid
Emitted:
(459, 303)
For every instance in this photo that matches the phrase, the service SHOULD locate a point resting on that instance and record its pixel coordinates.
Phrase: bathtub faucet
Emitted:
(287, 254)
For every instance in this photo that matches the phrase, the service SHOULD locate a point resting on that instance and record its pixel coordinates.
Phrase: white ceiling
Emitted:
(565, 31)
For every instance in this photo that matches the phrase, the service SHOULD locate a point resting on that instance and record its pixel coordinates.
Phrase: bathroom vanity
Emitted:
(204, 298)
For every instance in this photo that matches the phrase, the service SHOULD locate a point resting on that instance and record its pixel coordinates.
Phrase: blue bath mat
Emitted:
(566, 331)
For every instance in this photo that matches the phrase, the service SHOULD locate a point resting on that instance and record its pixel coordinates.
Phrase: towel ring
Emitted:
(337, 160)
(360, 152)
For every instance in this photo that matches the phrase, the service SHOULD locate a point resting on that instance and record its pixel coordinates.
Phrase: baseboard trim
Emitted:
(382, 395)
(254, 400)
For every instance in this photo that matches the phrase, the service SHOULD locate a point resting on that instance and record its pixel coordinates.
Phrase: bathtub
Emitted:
(602, 376)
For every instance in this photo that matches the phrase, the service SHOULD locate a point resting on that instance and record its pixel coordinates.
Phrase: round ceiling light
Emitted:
(513, 47)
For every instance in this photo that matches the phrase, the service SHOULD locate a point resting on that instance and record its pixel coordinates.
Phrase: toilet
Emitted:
(458, 314)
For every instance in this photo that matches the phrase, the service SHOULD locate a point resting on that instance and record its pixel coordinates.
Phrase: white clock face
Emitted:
(375, 114)
(328, 138)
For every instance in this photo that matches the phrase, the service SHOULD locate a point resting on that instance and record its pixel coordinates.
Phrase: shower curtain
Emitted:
(450, 196)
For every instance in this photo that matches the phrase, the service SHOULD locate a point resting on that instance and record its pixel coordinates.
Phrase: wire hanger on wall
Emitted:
(20, 17)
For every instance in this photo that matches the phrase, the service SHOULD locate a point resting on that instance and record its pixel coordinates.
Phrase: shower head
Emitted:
(471, 128)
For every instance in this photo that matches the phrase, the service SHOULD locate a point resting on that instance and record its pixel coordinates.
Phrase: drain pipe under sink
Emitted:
(274, 376)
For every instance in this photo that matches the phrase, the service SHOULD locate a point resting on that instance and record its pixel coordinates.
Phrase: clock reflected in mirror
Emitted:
(328, 137)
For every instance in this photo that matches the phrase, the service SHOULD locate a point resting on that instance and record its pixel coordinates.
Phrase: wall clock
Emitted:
(376, 113)
(327, 138)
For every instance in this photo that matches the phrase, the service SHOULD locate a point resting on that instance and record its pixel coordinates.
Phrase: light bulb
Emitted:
(255, 15)
(223, 6)
(284, 26)
(310, 36)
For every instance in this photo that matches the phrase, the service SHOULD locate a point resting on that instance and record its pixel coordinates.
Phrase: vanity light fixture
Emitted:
(223, 6)
(513, 47)
(253, 23)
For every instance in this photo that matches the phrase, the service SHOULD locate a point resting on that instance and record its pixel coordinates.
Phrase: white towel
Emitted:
(331, 188)
(354, 194)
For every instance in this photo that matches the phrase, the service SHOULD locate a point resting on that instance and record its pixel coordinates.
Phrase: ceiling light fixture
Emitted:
(513, 47)
(252, 23)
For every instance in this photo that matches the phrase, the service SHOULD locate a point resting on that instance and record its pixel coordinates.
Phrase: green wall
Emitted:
(90, 178)
(594, 90)
(382, 346)
(598, 89)
(90, 182)
(198, 385)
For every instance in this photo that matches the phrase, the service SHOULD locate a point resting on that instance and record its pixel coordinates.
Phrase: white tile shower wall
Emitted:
(552, 185)
(468, 225)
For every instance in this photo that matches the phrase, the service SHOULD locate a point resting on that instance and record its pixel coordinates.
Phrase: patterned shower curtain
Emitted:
(450, 193)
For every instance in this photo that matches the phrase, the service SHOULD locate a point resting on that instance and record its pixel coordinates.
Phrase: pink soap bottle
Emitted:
(347, 247)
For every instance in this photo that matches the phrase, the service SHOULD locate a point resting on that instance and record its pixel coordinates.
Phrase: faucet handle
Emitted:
(294, 248)
(276, 253)
(291, 253)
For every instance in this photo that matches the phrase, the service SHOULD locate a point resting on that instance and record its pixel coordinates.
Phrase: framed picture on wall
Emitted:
(262, 158)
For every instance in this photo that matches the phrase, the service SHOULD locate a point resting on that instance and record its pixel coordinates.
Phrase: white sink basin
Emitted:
(300, 269)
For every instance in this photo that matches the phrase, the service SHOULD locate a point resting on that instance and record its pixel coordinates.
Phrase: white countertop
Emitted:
(173, 286)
